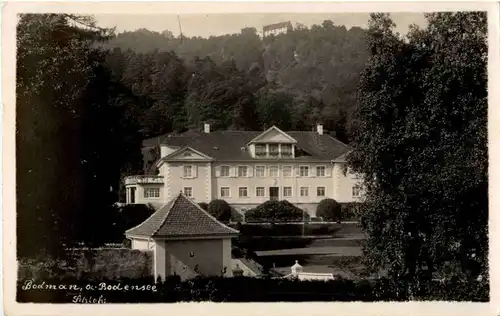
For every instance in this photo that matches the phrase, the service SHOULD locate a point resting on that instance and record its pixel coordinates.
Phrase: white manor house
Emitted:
(247, 168)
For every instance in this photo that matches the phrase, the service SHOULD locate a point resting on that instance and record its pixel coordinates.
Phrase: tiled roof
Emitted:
(181, 217)
(227, 145)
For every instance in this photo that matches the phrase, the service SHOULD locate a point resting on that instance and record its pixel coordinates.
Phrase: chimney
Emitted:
(319, 129)
(206, 128)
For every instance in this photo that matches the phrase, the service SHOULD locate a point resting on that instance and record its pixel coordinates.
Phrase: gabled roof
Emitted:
(181, 217)
(272, 128)
(231, 145)
(184, 149)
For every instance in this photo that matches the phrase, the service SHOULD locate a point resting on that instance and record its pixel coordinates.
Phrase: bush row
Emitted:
(244, 289)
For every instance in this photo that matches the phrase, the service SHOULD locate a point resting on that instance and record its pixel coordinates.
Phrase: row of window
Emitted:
(259, 192)
(273, 150)
(272, 171)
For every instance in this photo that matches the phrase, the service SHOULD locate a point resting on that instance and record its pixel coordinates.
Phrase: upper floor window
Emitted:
(320, 171)
(356, 190)
(260, 150)
(260, 171)
(224, 171)
(273, 171)
(304, 171)
(287, 171)
(274, 150)
(242, 171)
(152, 192)
(286, 150)
(188, 171)
(188, 192)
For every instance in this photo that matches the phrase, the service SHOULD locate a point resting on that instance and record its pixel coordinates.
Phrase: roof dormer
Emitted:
(272, 143)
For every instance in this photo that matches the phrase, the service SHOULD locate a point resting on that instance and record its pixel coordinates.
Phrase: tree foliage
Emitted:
(242, 82)
(422, 146)
(76, 132)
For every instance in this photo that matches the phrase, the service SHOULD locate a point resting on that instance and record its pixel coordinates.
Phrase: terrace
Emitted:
(143, 179)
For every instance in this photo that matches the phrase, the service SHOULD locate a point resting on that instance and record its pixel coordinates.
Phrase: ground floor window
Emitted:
(320, 191)
(260, 191)
(304, 191)
(152, 192)
(188, 192)
(225, 192)
(356, 190)
(243, 192)
(287, 191)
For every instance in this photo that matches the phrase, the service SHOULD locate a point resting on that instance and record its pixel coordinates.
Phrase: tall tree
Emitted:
(67, 115)
(422, 148)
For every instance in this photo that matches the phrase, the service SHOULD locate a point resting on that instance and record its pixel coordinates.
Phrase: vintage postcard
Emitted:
(253, 158)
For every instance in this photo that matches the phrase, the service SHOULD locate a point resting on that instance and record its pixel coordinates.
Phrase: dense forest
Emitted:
(241, 81)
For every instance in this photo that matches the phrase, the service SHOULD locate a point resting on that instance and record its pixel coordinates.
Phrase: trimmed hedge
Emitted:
(245, 289)
(329, 210)
(273, 211)
(220, 209)
(203, 205)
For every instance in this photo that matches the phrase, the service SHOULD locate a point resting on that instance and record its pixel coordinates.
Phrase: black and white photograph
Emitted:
(250, 157)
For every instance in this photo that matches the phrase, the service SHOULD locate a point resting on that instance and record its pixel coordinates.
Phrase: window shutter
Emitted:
(195, 171)
(297, 171)
(328, 171)
(183, 170)
(233, 171)
(217, 171)
(267, 171)
(312, 171)
(249, 171)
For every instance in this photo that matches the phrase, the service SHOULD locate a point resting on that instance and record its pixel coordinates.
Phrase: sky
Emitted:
(220, 24)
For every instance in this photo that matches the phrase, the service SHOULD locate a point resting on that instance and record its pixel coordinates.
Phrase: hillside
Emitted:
(239, 81)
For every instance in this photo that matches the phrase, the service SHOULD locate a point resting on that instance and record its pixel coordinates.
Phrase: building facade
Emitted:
(276, 29)
(247, 168)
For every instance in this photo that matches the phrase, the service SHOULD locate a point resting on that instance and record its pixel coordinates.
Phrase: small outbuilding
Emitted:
(186, 241)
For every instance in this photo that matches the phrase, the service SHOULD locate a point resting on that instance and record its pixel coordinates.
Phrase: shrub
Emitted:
(220, 209)
(203, 205)
(272, 211)
(329, 210)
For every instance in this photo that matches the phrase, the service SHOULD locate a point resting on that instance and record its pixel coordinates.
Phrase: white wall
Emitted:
(311, 182)
(173, 173)
(141, 244)
(344, 184)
